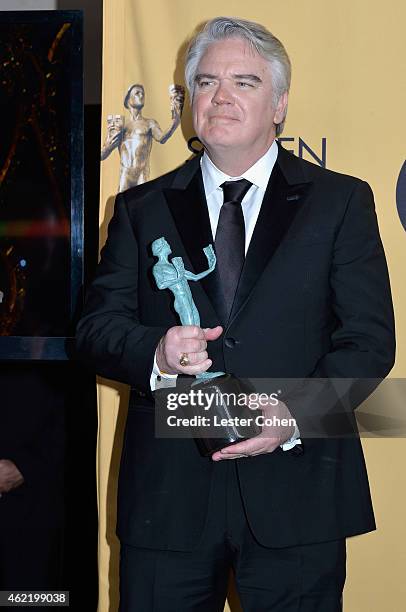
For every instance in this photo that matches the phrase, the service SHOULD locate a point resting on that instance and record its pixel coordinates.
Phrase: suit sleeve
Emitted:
(109, 336)
(362, 346)
(363, 343)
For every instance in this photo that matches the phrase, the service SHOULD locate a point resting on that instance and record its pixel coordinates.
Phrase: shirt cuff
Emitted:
(160, 379)
(295, 439)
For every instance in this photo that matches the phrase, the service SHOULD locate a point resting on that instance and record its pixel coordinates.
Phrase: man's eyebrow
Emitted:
(244, 77)
(205, 75)
(248, 77)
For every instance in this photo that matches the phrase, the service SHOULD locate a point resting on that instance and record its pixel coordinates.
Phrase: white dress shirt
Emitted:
(258, 175)
(213, 178)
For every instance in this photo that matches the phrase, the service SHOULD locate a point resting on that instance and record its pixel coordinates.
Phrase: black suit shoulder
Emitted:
(332, 193)
(316, 173)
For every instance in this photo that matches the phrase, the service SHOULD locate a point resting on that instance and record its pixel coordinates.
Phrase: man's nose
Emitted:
(223, 94)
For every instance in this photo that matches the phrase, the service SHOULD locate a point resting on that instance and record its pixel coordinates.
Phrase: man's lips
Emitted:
(223, 118)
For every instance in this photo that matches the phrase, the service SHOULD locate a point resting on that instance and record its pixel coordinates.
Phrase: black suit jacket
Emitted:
(313, 301)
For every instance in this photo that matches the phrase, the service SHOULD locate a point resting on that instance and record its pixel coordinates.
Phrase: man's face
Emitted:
(136, 98)
(233, 109)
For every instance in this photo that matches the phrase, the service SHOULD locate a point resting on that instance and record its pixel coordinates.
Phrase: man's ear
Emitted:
(280, 111)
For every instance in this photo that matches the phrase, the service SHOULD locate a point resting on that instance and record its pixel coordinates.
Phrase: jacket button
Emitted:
(230, 342)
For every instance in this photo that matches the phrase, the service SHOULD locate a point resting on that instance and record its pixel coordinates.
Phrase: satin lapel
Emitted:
(188, 207)
(279, 207)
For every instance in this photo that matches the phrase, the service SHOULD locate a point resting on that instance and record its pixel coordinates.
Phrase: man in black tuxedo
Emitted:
(300, 291)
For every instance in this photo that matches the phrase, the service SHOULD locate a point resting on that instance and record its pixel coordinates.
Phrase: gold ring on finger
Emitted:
(184, 360)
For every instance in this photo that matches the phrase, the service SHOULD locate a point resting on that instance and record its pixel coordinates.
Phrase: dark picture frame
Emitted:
(41, 182)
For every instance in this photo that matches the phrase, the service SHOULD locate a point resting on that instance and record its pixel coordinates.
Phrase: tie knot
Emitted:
(234, 191)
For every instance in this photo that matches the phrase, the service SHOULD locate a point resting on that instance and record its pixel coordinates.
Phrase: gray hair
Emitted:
(259, 38)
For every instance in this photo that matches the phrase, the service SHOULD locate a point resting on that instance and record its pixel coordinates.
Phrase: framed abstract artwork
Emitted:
(41, 182)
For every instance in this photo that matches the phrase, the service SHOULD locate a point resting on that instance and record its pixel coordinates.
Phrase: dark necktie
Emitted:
(230, 238)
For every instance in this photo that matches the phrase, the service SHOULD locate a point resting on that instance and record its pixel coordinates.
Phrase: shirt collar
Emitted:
(258, 174)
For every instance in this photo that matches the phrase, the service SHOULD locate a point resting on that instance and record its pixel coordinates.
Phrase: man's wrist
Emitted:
(292, 441)
(161, 379)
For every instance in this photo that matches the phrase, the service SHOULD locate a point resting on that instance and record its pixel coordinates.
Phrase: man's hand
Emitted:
(113, 140)
(270, 438)
(10, 476)
(185, 339)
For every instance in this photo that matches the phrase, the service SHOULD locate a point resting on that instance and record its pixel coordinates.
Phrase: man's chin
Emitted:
(222, 139)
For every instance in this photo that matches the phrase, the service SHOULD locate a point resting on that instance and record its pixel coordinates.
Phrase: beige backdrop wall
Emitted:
(348, 88)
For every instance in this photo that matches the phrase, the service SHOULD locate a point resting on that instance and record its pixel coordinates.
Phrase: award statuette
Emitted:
(228, 423)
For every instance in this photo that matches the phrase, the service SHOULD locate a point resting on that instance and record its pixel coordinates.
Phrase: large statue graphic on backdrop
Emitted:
(133, 137)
